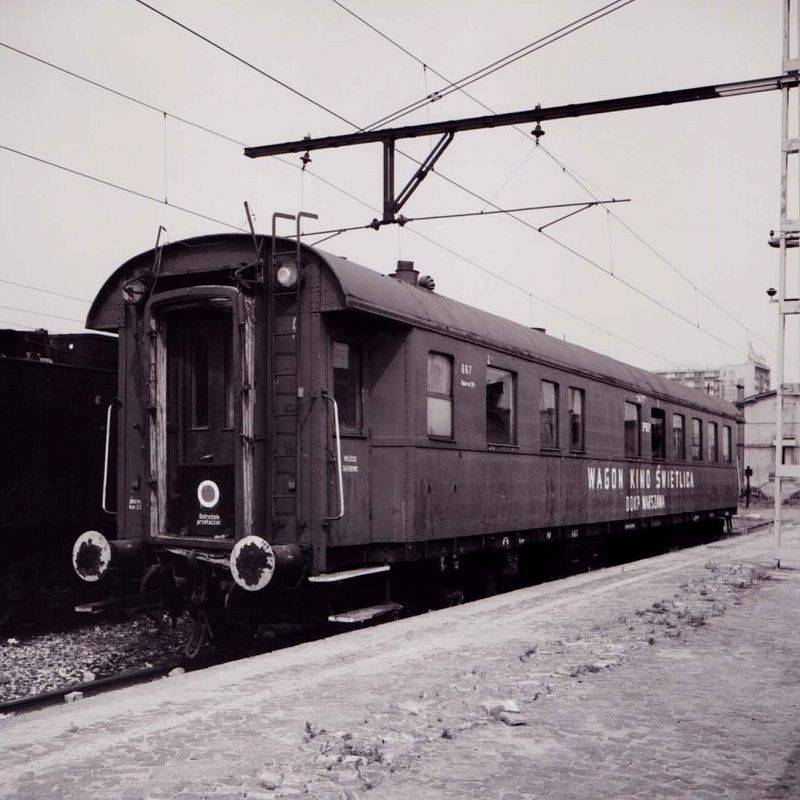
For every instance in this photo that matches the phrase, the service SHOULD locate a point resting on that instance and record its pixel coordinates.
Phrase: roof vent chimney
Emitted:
(406, 273)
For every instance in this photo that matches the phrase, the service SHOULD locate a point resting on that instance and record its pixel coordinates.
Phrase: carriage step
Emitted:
(334, 577)
(359, 615)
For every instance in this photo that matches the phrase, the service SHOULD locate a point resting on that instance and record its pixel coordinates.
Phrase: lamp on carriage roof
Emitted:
(136, 289)
(286, 274)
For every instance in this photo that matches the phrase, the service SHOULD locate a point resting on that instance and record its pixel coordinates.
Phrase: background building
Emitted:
(759, 438)
(721, 382)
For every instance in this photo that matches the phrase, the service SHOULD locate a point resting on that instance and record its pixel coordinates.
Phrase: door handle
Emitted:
(337, 430)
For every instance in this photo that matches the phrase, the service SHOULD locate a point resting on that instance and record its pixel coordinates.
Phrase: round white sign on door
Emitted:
(208, 494)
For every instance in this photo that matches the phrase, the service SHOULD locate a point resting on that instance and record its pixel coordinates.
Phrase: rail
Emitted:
(105, 461)
(337, 430)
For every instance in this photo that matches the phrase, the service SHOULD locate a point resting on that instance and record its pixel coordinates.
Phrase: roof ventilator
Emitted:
(405, 273)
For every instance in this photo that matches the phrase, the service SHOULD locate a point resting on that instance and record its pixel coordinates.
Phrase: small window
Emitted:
(726, 444)
(633, 443)
(713, 454)
(440, 395)
(548, 414)
(576, 420)
(658, 438)
(199, 415)
(500, 424)
(697, 439)
(347, 385)
(679, 437)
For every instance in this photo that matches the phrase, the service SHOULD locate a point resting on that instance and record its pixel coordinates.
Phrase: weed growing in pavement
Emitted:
(583, 668)
(528, 653)
(312, 731)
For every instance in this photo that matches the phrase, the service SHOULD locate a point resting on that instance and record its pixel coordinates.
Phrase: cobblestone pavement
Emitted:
(678, 676)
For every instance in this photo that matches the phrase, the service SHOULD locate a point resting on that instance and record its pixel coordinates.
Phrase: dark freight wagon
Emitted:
(57, 392)
(293, 415)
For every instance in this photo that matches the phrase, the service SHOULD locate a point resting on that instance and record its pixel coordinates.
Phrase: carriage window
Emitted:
(199, 413)
(726, 444)
(658, 439)
(678, 437)
(576, 420)
(440, 395)
(500, 427)
(697, 439)
(633, 443)
(548, 414)
(347, 385)
(713, 453)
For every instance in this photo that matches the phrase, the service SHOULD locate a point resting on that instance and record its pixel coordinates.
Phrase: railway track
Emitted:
(88, 688)
(295, 636)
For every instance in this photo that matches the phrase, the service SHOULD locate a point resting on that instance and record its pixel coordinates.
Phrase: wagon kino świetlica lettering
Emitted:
(300, 437)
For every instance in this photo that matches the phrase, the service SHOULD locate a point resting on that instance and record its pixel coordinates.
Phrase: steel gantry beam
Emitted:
(447, 129)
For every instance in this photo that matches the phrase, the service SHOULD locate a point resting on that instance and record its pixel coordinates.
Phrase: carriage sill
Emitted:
(331, 577)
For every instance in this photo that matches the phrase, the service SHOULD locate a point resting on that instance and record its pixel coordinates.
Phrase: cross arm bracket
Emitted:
(393, 203)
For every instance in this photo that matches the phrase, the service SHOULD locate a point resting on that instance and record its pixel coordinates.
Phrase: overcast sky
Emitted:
(703, 178)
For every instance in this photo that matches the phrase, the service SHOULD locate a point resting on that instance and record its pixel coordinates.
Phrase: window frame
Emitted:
(439, 396)
(556, 444)
(638, 407)
(727, 439)
(679, 456)
(700, 445)
(654, 412)
(579, 392)
(513, 427)
(712, 426)
(355, 349)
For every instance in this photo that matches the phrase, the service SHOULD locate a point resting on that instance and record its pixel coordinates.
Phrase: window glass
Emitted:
(548, 414)
(678, 437)
(347, 385)
(712, 441)
(726, 444)
(658, 439)
(440, 395)
(576, 419)
(697, 439)
(632, 427)
(199, 415)
(500, 426)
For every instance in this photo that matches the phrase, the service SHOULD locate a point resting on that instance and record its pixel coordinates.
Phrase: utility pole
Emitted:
(787, 237)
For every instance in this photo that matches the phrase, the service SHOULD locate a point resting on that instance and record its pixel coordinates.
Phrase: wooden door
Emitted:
(201, 425)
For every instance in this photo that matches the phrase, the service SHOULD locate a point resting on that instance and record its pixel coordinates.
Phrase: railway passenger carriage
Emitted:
(291, 422)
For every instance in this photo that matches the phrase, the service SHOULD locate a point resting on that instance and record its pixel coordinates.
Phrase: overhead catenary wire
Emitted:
(41, 313)
(501, 63)
(120, 187)
(44, 291)
(401, 221)
(325, 182)
(474, 194)
(244, 61)
(580, 180)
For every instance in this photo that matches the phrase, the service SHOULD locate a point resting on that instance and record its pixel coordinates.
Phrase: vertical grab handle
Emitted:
(335, 405)
(105, 461)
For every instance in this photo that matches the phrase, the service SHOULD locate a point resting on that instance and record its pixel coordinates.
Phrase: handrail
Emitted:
(105, 461)
(326, 396)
